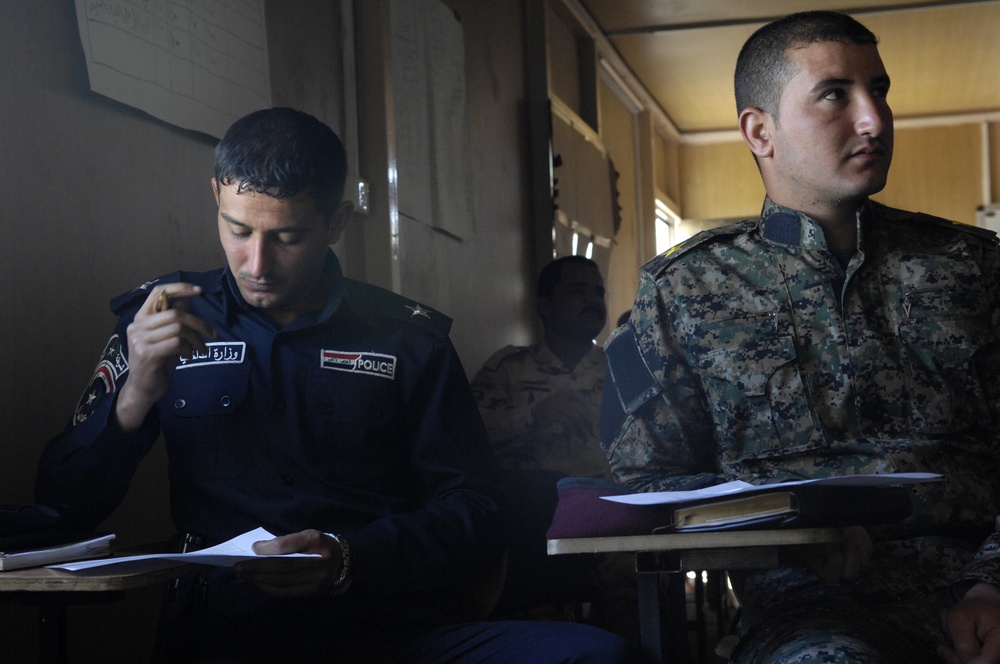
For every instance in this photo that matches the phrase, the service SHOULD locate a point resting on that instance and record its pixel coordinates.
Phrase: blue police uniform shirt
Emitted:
(355, 419)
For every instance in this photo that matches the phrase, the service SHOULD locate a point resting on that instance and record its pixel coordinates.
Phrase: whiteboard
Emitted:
(197, 64)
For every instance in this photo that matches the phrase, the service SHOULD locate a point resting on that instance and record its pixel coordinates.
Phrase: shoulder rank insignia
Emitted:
(417, 310)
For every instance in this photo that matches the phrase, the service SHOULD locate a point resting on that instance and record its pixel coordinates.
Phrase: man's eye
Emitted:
(834, 95)
(290, 239)
(881, 91)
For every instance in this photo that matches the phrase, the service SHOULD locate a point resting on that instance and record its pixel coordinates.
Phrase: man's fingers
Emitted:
(854, 563)
(858, 538)
(175, 323)
(305, 541)
(164, 326)
(167, 296)
(271, 547)
(290, 577)
(176, 338)
(857, 552)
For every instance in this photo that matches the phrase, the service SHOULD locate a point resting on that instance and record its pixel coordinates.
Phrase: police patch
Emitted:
(219, 352)
(110, 369)
(373, 364)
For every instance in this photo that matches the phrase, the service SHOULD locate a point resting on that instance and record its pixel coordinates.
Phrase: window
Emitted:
(667, 227)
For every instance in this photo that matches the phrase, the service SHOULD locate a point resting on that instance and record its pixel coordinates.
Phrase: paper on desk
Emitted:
(738, 487)
(226, 554)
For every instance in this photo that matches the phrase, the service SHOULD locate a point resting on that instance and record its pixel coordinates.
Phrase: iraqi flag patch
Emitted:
(372, 364)
(110, 369)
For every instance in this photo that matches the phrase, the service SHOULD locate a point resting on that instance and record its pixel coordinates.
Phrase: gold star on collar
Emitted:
(419, 311)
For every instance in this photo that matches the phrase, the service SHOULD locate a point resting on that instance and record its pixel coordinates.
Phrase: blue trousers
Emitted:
(500, 642)
(234, 623)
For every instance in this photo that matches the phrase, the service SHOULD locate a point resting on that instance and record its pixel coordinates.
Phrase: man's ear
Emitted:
(755, 127)
(338, 221)
(215, 190)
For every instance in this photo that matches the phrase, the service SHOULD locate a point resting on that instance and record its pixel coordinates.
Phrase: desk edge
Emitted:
(692, 541)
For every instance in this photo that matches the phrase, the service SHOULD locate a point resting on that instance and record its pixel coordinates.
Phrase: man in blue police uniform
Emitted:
(332, 413)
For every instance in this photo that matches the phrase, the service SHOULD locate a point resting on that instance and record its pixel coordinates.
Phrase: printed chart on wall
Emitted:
(428, 80)
(197, 64)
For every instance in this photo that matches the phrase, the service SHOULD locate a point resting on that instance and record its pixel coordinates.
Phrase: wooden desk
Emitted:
(52, 590)
(664, 637)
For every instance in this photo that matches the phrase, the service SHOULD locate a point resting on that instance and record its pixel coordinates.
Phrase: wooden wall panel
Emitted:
(718, 181)
(564, 59)
(485, 281)
(618, 132)
(937, 170)
(666, 163)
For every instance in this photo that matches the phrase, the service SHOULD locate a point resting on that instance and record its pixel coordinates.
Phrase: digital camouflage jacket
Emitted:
(752, 354)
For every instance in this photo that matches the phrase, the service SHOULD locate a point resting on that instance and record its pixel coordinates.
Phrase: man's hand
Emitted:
(974, 625)
(840, 561)
(294, 577)
(161, 332)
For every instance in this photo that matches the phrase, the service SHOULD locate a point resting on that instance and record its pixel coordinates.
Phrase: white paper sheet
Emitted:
(738, 487)
(226, 554)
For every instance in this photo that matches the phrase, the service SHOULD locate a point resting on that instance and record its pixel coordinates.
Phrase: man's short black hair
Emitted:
(763, 68)
(282, 152)
(552, 272)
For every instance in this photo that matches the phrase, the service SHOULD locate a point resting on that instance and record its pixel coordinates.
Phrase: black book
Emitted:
(802, 506)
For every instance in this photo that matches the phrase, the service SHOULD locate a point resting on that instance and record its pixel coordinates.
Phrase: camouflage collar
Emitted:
(787, 226)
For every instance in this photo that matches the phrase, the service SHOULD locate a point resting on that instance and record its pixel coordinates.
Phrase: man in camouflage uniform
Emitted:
(540, 403)
(831, 336)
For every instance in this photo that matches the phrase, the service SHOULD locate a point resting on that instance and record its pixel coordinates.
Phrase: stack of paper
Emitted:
(226, 554)
(91, 548)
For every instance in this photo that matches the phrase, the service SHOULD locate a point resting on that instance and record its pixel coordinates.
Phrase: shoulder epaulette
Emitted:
(373, 302)
(658, 263)
(894, 214)
(982, 233)
(125, 301)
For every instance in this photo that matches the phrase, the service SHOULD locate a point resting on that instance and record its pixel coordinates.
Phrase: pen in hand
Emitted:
(162, 303)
